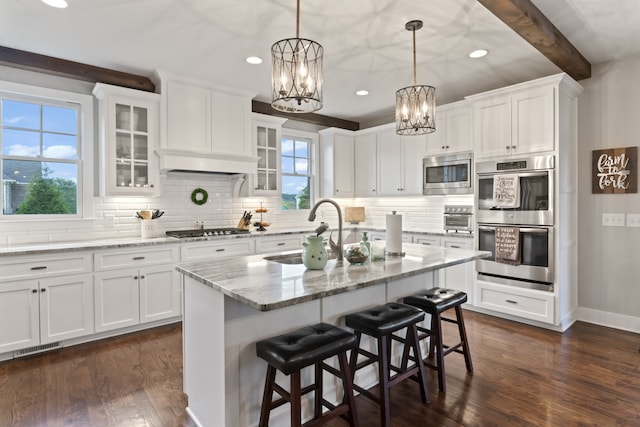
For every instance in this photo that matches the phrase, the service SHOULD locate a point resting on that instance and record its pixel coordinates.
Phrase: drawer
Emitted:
(113, 259)
(208, 250)
(453, 243)
(428, 240)
(373, 236)
(527, 303)
(284, 243)
(21, 267)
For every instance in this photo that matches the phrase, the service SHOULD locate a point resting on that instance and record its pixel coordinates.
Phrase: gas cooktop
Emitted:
(206, 232)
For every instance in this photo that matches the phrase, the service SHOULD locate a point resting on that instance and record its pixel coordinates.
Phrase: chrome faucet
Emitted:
(335, 247)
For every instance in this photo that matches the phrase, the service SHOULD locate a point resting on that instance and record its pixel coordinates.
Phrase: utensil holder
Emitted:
(147, 228)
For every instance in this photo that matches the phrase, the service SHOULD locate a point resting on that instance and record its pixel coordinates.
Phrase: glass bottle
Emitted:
(365, 245)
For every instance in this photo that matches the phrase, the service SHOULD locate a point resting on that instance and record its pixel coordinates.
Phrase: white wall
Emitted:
(608, 257)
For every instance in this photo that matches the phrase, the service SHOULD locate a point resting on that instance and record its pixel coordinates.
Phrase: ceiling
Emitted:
(365, 43)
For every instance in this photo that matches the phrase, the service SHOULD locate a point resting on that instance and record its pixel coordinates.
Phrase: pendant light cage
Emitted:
(415, 105)
(415, 110)
(296, 75)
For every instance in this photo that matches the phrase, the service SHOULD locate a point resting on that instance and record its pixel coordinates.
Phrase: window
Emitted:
(297, 156)
(40, 153)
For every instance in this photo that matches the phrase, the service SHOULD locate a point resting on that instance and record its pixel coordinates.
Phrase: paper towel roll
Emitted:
(394, 234)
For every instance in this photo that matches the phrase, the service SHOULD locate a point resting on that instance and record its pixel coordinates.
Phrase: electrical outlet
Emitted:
(633, 220)
(613, 220)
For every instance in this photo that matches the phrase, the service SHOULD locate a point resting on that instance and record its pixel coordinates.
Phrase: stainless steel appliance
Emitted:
(451, 174)
(535, 267)
(205, 232)
(458, 218)
(536, 180)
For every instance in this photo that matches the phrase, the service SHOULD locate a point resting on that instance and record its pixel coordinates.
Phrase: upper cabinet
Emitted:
(399, 163)
(366, 165)
(267, 133)
(204, 128)
(336, 163)
(128, 136)
(454, 129)
(515, 121)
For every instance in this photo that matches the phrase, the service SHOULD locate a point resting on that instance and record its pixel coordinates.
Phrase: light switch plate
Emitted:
(613, 220)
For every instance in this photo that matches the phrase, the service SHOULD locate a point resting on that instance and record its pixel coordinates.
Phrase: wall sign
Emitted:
(614, 171)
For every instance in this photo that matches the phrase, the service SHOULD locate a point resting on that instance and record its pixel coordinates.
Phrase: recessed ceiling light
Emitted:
(362, 92)
(478, 53)
(254, 60)
(60, 4)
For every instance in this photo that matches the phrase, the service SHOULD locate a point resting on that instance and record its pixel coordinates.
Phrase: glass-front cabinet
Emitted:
(267, 134)
(128, 135)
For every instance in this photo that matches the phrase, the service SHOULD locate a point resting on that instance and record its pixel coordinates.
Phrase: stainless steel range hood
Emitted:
(188, 161)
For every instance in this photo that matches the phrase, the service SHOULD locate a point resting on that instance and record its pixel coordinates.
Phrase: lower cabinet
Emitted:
(459, 277)
(43, 311)
(147, 291)
(527, 303)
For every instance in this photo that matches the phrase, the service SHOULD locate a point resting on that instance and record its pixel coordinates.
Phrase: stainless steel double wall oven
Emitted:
(532, 215)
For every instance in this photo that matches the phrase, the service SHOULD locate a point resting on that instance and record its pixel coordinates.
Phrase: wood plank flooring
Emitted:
(524, 376)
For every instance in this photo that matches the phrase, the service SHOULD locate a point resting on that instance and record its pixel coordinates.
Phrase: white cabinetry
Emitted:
(459, 277)
(336, 163)
(454, 129)
(526, 303)
(128, 137)
(266, 142)
(136, 286)
(219, 249)
(285, 242)
(515, 122)
(45, 299)
(399, 163)
(366, 165)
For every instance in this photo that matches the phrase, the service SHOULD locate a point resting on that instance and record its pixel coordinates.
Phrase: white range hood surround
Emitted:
(178, 160)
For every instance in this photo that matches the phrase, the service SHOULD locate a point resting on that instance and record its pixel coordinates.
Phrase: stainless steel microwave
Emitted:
(450, 174)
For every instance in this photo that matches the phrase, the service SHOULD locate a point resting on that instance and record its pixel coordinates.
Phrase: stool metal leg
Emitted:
(267, 397)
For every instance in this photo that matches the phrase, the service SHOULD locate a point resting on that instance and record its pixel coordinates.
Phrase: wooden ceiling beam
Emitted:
(531, 24)
(75, 70)
(317, 119)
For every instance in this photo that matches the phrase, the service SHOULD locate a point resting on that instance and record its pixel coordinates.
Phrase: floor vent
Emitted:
(36, 349)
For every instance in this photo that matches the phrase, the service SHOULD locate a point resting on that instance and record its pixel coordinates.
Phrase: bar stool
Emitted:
(381, 322)
(436, 301)
(293, 351)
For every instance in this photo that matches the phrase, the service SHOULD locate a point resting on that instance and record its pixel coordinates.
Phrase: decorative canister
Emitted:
(314, 253)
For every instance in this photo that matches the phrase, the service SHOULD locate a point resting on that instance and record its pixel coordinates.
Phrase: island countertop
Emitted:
(268, 285)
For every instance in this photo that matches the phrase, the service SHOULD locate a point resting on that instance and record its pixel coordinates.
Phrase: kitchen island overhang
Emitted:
(232, 303)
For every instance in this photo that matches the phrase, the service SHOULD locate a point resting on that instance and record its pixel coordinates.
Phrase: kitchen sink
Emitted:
(291, 258)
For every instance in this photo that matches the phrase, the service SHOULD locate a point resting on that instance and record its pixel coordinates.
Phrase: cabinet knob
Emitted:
(374, 190)
(135, 277)
(142, 277)
(337, 191)
(447, 147)
(43, 290)
(151, 185)
(507, 147)
(34, 291)
(513, 147)
(442, 147)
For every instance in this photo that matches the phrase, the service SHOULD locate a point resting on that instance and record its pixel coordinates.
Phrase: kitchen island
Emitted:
(232, 303)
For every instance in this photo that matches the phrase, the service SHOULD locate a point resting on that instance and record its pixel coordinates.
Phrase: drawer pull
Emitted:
(281, 244)
(510, 301)
(455, 246)
(42, 267)
(138, 258)
(426, 243)
(220, 250)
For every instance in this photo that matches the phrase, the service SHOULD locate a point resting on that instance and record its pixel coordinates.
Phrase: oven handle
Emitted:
(520, 174)
(522, 229)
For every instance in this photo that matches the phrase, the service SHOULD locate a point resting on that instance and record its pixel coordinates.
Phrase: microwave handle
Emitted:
(528, 230)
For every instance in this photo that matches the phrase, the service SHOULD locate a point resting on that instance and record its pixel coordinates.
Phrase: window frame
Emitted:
(313, 150)
(85, 143)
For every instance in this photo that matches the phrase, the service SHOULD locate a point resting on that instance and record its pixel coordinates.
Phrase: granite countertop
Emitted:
(268, 285)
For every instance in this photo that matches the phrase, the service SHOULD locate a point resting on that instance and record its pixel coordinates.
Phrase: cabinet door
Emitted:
(230, 132)
(413, 151)
(366, 165)
(117, 300)
(459, 134)
(189, 117)
(533, 120)
(459, 277)
(343, 161)
(19, 313)
(492, 123)
(390, 164)
(66, 307)
(160, 296)
(437, 141)
(267, 150)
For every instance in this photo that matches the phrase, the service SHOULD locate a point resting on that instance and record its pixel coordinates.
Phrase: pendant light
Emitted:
(415, 105)
(296, 73)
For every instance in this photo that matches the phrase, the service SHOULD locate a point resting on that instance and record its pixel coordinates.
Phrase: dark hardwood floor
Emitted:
(524, 376)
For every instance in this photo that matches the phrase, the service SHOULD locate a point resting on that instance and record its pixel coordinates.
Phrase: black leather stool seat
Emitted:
(305, 346)
(384, 319)
(293, 351)
(436, 300)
